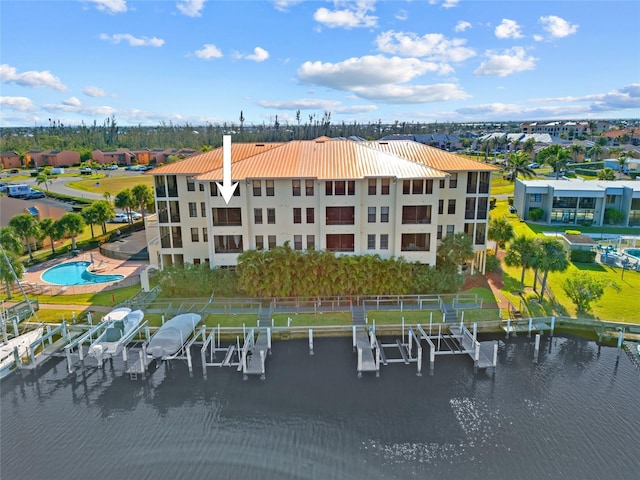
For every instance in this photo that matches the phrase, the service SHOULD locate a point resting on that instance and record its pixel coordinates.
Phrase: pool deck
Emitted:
(103, 265)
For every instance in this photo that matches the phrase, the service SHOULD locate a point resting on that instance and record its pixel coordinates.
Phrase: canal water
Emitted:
(572, 414)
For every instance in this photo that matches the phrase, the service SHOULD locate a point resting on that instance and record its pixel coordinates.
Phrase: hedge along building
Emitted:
(394, 199)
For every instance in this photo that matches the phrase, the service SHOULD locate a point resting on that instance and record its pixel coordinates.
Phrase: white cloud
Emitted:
(191, 8)
(354, 15)
(32, 78)
(333, 106)
(208, 51)
(402, 15)
(538, 38)
(620, 99)
(557, 27)
(72, 102)
(450, 3)
(18, 104)
(462, 25)
(367, 71)
(91, 91)
(510, 61)
(99, 111)
(434, 46)
(110, 6)
(284, 5)
(116, 38)
(412, 93)
(259, 55)
(508, 29)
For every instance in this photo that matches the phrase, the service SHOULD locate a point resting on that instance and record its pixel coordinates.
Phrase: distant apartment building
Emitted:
(120, 156)
(390, 198)
(52, 158)
(10, 159)
(576, 201)
(159, 156)
(570, 129)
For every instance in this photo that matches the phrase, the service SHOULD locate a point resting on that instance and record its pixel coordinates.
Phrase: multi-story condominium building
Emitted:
(576, 201)
(570, 129)
(394, 199)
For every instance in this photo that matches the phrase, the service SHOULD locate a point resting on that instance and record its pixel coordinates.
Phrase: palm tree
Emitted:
(517, 164)
(523, 252)
(73, 224)
(107, 196)
(53, 230)
(500, 231)
(90, 216)
(124, 200)
(555, 156)
(529, 146)
(10, 240)
(576, 150)
(10, 268)
(553, 258)
(142, 196)
(26, 227)
(104, 213)
(45, 178)
(455, 249)
(622, 163)
(595, 152)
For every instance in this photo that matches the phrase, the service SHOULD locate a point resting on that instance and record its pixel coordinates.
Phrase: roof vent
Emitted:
(384, 143)
(259, 144)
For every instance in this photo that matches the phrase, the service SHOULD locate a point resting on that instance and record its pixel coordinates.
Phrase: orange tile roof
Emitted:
(207, 161)
(430, 156)
(323, 159)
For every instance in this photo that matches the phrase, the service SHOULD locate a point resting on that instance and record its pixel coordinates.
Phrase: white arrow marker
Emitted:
(226, 188)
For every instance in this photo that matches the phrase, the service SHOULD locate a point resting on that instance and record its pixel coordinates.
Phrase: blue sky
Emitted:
(198, 62)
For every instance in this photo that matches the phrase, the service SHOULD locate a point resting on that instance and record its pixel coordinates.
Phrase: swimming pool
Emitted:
(76, 273)
(634, 252)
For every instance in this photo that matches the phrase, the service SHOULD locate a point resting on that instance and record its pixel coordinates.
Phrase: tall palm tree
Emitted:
(517, 165)
(622, 162)
(90, 216)
(455, 249)
(53, 230)
(523, 252)
(73, 224)
(10, 268)
(576, 149)
(124, 200)
(500, 231)
(142, 197)
(43, 177)
(553, 258)
(104, 213)
(10, 240)
(555, 156)
(26, 227)
(595, 152)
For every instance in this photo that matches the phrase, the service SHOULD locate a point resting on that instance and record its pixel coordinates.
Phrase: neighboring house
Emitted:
(577, 201)
(120, 156)
(394, 199)
(440, 140)
(10, 159)
(160, 155)
(142, 155)
(53, 158)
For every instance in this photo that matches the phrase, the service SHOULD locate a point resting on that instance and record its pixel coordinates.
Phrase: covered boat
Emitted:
(170, 338)
(121, 322)
(22, 343)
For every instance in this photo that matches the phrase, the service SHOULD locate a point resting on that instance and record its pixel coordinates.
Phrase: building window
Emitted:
(482, 208)
(201, 186)
(610, 199)
(176, 237)
(257, 188)
(194, 235)
(415, 214)
(371, 215)
(328, 188)
(373, 183)
(439, 232)
(480, 233)
(163, 212)
(311, 242)
(205, 234)
(340, 215)
(485, 179)
(161, 190)
(406, 187)
(440, 207)
(174, 211)
(297, 242)
(470, 208)
(295, 185)
(442, 183)
(472, 182)
(371, 242)
(428, 187)
(453, 180)
(415, 242)
(297, 216)
(341, 242)
(309, 188)
(271, 188)
(450, 229)
(172, 186)
(311, 216)
(228, 243)
(257, 216)
(565, 202)
(191, 186)
(384, 186)
(196, 261)
(536, 198)
(384, 241)
(340, 187)
(165, 237)
(259, 242)
(193, 209)
(384, 214)
(271, 216)
(587, 203)
(227, 217)
(468, 229)
(451, 210)
(351, 187)
(203, 209)
(417, 187)
(272, 241)
(213, 189)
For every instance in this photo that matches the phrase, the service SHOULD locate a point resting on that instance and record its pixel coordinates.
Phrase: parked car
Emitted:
(120, 218)
(534, 165)
(14, 170)
(34, 194)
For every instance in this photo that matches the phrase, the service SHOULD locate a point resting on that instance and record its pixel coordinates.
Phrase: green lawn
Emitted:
(113, 185)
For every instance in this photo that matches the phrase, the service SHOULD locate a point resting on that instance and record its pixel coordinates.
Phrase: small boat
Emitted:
(22, 343)
(122, 321)
(170, 338)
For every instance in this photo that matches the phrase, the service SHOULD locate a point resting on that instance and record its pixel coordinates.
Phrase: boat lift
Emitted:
(254, 352)
(75, 348)
(211, 346)
(378, 355)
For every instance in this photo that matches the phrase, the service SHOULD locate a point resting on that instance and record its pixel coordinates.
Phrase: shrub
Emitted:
(613, 216)
(583, 256)
(493, 264)
(535, 214)
(510, 201)
(573, 232)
